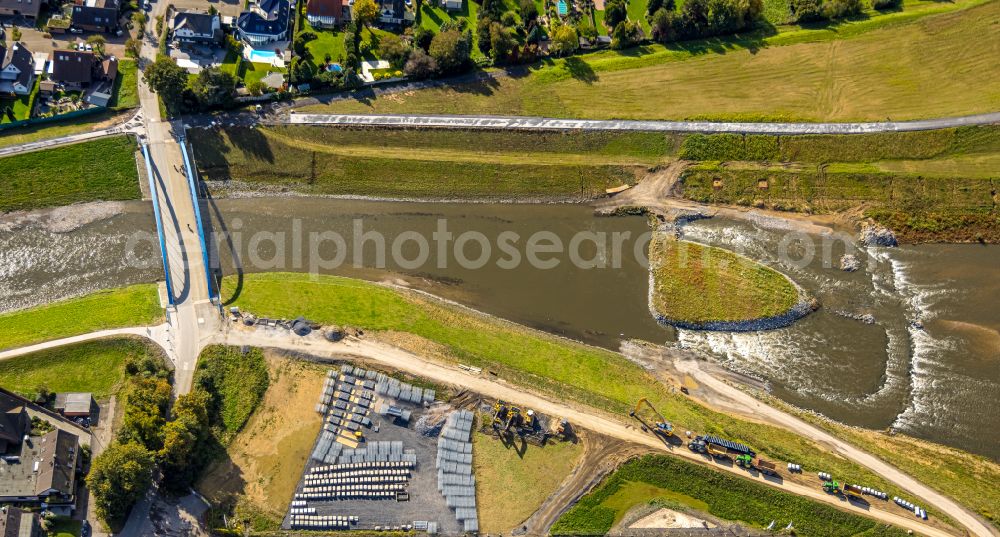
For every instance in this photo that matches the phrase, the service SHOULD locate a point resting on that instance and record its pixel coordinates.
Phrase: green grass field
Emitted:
(327, 42)
(588, 375)
(511, 486)
(409, 165)
(901, 65)
(126, 90)
(65, 527)
(236, 381)
(696, 284)
(102, 169)
(255, 72)
(138, 305)
(94, 366)
(670, 482)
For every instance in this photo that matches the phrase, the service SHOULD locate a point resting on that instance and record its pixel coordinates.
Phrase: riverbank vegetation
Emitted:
(898, 64)
(671, 481)
(424, 164)
(586, 375)
(511, 484)
(137, 305)
(101, 169)
(917, 209)
(98, 367)
(698, 285)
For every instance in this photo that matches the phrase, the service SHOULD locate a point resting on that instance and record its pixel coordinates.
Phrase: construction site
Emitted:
(389, 458)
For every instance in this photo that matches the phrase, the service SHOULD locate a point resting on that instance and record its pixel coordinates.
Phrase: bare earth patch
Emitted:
(668, 518)
(266, 458)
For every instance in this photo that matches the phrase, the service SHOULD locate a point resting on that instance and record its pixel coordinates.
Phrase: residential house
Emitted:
(36, 469)
(102, 90)
(16, 522)
(71, 404)
(267, 21)
(74, 69)
(25, 8)
(96, 15)
(196, 27)
(14, 423)
(328, 13)
(17, 70)
(452, 5)
(393, 13)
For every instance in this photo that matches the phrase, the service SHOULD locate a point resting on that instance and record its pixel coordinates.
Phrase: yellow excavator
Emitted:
(653, 420)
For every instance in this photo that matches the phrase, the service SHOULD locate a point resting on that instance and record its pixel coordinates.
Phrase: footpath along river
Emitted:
(927, 364)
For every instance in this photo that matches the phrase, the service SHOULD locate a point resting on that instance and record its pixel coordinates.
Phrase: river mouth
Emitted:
(927, 364)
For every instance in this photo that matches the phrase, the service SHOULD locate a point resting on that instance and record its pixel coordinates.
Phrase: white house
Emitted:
(196, 27)
(17, 74)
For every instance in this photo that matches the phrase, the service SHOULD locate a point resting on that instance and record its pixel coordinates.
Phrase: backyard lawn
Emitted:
(126, 90)
(20, 106)
(327, 42)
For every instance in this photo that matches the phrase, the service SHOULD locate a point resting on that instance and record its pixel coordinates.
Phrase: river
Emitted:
(927, 365)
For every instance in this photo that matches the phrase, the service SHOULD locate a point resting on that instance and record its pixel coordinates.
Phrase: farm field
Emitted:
(901, 65)
(672, 482)
(695, 284)
(70, 174)
(95, 366)
(510, 486)
(586, 375)
(138, 305)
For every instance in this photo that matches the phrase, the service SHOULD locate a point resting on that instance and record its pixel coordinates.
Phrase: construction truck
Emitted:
(651, 419)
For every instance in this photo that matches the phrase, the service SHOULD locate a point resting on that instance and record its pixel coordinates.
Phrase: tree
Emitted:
(132, 47)
(529, 11)
(564, 41)
(392, 49)
(118, 478)
(483, 36)
(167, 79)
(299, 44)
(212, 10)
(97, 41)
(145, 403)
(15, 34)
(365, 12)
(451, 50)
(624, 35)
(666, 25)
(422, 38)
(695, 13)
(255, 87)
(615, 12)
(420, 65)
(214, 87)
(510, 20)
(185, 452)
(502, 42)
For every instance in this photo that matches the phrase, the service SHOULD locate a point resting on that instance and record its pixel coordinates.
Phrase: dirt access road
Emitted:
(393, 357)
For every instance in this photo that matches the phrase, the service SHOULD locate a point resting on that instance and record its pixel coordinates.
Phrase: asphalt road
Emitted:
(544, 123)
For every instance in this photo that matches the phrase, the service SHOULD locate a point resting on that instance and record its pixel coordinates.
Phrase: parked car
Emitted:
(75, 30)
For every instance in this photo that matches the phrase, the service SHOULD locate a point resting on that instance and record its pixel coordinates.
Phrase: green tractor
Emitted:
(831, 487)
(745, 461)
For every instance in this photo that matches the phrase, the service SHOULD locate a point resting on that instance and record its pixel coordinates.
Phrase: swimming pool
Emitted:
(262, 56)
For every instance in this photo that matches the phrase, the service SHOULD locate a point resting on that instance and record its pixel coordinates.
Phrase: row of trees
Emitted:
(702, 18)
(818, 10)
(211, 88)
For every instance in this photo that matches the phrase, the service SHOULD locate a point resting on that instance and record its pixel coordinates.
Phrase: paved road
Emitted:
(396, 358)
(544, 123)
(159, 334)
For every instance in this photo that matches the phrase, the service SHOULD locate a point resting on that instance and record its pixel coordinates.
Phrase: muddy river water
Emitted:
(910, 341)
